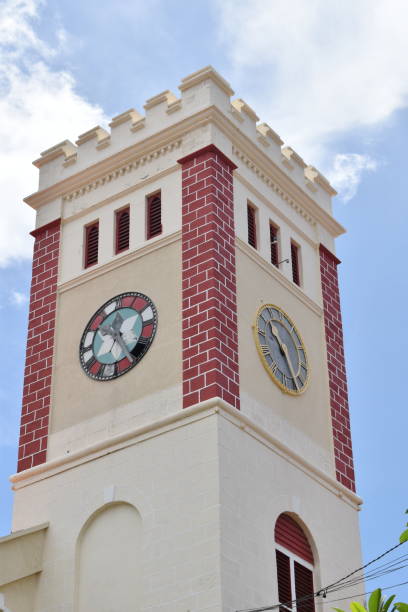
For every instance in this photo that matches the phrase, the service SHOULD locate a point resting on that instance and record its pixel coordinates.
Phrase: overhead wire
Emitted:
(392, 586)
(344, 582)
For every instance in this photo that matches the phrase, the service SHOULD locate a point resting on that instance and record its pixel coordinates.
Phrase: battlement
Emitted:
(205, 98)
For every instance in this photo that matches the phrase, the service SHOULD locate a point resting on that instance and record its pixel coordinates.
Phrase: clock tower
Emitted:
(185, 440)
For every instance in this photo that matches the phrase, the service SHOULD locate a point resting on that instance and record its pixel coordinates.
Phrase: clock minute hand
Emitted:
(117, 322)
(288, 359)
(285, 351)
(106, 330)
(123, 346)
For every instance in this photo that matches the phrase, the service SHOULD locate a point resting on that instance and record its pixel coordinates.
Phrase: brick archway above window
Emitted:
(290, 535)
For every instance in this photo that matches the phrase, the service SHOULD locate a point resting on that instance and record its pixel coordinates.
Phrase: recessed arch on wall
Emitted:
(295, 563)
(108, 560)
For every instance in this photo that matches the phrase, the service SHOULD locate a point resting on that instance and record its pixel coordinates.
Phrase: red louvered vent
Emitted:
(284, 586)
(290, 535)
(294, 251)
(273, 232)
(251, 226)
(304, 588)
(91, 244)
(154, 224)
(122, 230)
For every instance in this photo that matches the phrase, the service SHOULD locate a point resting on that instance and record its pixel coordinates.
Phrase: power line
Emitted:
(393, 586)
(359, 569)
(381, 571)
(342, 583)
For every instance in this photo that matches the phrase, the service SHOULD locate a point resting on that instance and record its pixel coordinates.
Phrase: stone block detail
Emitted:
(343, 451)
(40, 347)
(209, 308)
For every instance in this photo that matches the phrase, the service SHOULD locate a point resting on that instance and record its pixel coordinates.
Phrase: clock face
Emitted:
(281, 349)
(118, 336)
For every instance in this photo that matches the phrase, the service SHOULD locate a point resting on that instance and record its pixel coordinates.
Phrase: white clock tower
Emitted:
(185, 441)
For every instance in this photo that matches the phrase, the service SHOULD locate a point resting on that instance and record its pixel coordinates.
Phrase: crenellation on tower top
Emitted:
(290, 157)
(206, 97)
(203, 75)
(64, 149)
(267, 132)
(130, 115)
(246, 116)
(316, 177)
(165, 97)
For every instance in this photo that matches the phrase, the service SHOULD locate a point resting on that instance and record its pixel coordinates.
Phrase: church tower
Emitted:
(185, 441)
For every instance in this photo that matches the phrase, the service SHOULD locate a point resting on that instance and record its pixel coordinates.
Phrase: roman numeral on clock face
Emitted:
(281, 349)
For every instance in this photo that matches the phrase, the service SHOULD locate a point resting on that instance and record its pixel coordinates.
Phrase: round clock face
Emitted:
(281, 349)
(118, 335)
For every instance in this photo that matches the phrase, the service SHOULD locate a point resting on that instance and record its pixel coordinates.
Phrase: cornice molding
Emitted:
(275, 209)
(268, 180)
(183, 417)
(278, 276)
(310, 211)
(125, 169)
(141, 184)
(120, 260)
(241, 143)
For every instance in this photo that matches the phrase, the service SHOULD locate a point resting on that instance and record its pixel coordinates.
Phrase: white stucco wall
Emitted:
(209, 487)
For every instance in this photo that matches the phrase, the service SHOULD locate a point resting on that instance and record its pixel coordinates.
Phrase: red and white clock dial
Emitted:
(118, 336)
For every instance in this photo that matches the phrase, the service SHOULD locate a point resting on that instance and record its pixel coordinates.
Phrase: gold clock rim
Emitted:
(263, 359)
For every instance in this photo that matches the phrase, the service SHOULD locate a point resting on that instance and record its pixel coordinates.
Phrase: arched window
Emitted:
(294, 565)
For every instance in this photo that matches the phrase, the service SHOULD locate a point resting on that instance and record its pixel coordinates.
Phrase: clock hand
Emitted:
(288, 359)
(123, 346)
(117, 322)
(106, 330)
(285, 352)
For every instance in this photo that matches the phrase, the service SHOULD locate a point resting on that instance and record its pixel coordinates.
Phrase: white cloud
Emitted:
(17, 298)
(319, 69)
(346, 172)
(40, 107)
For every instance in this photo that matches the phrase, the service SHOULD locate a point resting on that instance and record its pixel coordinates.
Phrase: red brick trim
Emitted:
(40, 346)
(209, 308)
(208, 149)
(343, 452)
(329, 254)
(38, 231)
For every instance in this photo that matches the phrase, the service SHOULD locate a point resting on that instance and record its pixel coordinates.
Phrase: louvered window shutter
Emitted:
(294, 251)
(122, 230)
(91, 244)
(304, 588)
(284, 586)
(274, 245)
(154, 224)
(289, 534)
(251, 226)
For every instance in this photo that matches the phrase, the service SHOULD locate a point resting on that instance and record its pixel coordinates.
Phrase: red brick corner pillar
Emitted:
(209, 308)
(40, 347)
(343, 451)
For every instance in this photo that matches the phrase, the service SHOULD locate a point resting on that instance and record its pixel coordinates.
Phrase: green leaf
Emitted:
(338, 609)
(374, 601)
(401, 607)
(404, 536)
(387, 603)
(355, 606)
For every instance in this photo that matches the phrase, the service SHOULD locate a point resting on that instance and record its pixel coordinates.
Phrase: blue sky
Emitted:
(330, 77)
